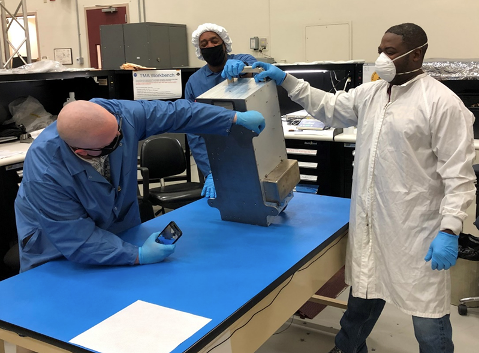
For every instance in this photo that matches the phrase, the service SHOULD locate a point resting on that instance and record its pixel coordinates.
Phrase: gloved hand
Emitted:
(209, 188)
(232, 68)
(151, 251)
(443, 251)
(252, 120)
(271, 72)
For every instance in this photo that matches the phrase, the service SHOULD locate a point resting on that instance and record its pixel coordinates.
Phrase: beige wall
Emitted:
(450, 25)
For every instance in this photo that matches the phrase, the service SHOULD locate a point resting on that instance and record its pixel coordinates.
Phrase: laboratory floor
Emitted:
(392, 334)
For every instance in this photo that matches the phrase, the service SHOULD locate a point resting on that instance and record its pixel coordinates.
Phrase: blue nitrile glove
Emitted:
(152, 252)
(209, 187)
(443, 251)
(271, 72)
(252, 120)
(232, 68)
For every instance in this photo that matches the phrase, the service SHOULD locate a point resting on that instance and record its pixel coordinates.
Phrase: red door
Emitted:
(95, 18)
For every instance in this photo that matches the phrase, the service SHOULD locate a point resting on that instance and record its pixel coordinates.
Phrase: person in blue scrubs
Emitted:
(213, 45)
(79, 186)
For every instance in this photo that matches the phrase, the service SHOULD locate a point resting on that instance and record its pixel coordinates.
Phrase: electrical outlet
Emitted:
(102, 82)
(263, 43)
(80, 60)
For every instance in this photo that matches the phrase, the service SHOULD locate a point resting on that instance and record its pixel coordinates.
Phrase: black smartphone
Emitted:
(170, 234)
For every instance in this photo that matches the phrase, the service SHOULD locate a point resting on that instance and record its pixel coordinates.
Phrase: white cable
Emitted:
(346, 83)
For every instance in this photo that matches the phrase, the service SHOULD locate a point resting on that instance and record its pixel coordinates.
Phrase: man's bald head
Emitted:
(85, 124)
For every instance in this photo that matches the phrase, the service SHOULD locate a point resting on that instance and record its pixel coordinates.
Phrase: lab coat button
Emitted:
(115, 208)
(89, 177)
(119, 188)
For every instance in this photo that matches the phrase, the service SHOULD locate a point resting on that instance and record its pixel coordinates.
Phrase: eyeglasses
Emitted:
(107, 149)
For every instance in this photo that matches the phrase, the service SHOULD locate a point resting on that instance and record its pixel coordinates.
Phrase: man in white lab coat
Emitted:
(413, 181)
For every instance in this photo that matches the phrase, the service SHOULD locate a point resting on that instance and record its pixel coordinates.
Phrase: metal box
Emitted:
(253, 177)
(159, 45)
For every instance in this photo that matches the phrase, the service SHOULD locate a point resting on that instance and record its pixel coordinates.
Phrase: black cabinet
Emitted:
(319, 164)
(468, 92)
(51, 89)
(326, 165)
(346, 168)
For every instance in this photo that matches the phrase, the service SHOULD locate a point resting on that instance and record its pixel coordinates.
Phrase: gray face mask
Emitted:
(386, 69)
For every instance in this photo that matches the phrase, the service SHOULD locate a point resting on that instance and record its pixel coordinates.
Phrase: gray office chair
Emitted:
(164, 158)
(12, 258)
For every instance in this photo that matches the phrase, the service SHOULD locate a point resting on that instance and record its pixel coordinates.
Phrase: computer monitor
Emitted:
(328, 77)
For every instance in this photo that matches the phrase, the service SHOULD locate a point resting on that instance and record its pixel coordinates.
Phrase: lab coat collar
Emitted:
(397, 90)
(411, 81)
(210, 73)
(76, 165)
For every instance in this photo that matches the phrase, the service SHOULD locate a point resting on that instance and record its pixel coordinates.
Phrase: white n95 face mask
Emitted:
(386, 69)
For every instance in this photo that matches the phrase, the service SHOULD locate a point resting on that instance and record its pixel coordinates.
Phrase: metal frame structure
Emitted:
(6, 59)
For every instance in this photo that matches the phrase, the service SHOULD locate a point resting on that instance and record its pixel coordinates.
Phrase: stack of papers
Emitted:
(8, 138)
(7, 153)
(311, 124)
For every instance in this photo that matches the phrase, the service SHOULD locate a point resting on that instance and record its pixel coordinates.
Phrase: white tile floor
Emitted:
(392, 334)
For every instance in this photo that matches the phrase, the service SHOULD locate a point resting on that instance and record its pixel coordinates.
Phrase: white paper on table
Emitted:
(35, 133)
(141, 327)
(313, 132)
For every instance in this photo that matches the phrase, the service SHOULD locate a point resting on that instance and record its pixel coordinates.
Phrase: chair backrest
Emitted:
(163, 156)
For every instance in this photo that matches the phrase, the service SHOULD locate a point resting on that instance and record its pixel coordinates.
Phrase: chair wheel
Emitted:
(462, 309)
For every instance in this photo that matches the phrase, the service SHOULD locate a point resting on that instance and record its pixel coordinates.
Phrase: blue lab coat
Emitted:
(72, 211)
(201, 81)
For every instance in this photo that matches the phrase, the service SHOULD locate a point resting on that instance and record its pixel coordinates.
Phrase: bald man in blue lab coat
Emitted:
(79, 185)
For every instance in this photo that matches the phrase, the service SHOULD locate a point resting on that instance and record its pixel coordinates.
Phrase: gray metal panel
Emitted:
(239, 195)
(279, 183)
(112, 47)
(246, 94)
(136, 43)
(243, 160)
(239, 89)
(178, 46)
(269, 147)
(159, 46)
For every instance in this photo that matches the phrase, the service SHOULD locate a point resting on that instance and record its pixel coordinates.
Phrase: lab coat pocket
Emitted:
(28, 242)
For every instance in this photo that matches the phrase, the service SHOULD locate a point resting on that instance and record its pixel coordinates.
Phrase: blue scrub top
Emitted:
(70, 210)
(201, 81)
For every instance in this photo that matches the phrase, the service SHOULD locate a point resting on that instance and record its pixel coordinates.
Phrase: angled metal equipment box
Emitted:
(253, 177)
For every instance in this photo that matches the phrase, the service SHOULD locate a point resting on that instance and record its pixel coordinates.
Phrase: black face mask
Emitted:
(215, 56)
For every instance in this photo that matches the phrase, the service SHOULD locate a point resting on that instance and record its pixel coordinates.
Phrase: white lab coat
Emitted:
(412, 177)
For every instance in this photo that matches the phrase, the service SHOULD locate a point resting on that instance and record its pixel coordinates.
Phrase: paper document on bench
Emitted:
(141, 327)
(7, 153)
